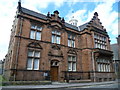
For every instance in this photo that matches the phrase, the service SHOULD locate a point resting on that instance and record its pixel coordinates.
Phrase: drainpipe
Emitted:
(93, 63)
(18, 44)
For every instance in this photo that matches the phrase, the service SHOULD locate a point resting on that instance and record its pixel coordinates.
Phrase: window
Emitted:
(103, 65)
(99, 67)
(56, 36)
(100, 41)
(71, 40)
(71, 63)
(35, 32)
(33, 60)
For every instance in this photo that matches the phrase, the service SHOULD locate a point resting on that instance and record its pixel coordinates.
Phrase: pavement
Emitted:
(56, 85)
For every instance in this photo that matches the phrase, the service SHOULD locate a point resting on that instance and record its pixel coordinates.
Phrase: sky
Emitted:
(82, 10)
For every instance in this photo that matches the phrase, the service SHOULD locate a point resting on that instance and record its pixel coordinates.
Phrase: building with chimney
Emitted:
(46, 47)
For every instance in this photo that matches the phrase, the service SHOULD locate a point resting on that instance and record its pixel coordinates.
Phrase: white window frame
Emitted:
(36, 29)
(71, 63)
(100, 41)
(71, 40)
(33, 57)
(56, 37)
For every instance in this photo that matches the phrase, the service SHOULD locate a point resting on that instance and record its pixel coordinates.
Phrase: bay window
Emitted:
(100, 41)
(103, 65)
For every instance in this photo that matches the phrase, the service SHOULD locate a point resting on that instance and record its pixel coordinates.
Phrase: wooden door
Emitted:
(54, 73)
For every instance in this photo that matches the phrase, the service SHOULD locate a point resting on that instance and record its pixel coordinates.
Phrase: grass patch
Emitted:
(2, 79)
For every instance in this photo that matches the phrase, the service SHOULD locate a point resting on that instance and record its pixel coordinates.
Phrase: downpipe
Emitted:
(18, 46)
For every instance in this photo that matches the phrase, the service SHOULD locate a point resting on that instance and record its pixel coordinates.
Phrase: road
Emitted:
(96, 87)
(91, 86)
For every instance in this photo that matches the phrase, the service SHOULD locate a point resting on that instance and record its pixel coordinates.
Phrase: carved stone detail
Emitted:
(34, 45)
(72, 51)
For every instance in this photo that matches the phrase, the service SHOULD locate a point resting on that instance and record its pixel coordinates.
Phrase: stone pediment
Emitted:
(72, 51)
(55, 47)
(55, 51)
(34, 45)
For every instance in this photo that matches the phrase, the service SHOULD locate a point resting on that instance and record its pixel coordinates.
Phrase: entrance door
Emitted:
(54, 73)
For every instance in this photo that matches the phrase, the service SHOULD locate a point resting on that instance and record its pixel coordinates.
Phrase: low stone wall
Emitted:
(79, 81)
(6, 83)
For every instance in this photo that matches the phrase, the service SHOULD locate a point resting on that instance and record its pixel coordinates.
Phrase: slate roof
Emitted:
(114, 48)
(71, 26)
(44, 17)
(82, 27)
(33, 13)
(41, 16)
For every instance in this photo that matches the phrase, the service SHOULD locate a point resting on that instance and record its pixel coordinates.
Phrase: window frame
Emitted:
(36, 31)
(56, 34)
(104, 65)
(33, 59)
(71, 40)
(72, 62)
(100, 42)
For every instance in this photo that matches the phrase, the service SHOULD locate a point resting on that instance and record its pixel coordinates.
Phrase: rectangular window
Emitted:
(36, 64)
(71, 40)
(100, 41)
(58, 40)
(99, 67)
(29, 64)
(35, 32)
(56, 36)
(74, 66)
(39, 28)
(33, 26)
(69, 66)
(30, 53)
(71, 63)
(103, 64)
(33, 60)
(32, 34)
(102, 67)
(108, 68)
(38, 35)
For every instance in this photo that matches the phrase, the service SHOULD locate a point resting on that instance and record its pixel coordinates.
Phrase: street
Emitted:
(94, 87)
(67, 86)
(99, 87)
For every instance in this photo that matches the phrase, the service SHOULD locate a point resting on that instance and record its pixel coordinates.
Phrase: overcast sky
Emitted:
(82, 11)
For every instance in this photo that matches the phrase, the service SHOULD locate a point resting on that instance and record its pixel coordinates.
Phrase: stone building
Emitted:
(116, 58)
(1, 66)
(45, 47)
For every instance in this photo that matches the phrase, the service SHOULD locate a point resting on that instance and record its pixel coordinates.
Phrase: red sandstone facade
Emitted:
(47, 48)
